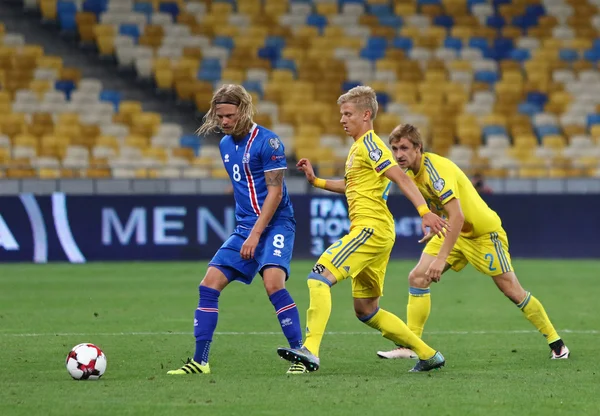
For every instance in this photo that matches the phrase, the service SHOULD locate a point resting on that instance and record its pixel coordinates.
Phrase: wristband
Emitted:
(319, 183)
(423, 209)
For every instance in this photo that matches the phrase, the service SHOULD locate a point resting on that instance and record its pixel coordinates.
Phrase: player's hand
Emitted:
(436, 225)
(435, 270)
(428, 236)
(249, 246)
(305, 166)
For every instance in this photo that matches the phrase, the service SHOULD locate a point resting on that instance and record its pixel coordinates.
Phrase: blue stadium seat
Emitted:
(593, 119)
(479, 43)
(401, 42)
(568, 55)
(493, 130)
(191, 141)
(171, 8)
(390, 21)
(348, 85)
(95, 6)
(224, 42)
(286, 64)
(383, 98)
(453, 43)
(546, 130)
(275, 42)
(372, 54)
(471, 3)
(536, 10)
(111, 96)
(529, 109)
(520, 55)
(444, 20)
(489, 77)
(270, 53)
(253, 86)
(495, 21)
(380, 9)
(525, 21)
(503, 47)
(317, 20)
(537, 97)
(145, 8)
(67, 86)
(497, 3)
(131, 30)
(592, 55)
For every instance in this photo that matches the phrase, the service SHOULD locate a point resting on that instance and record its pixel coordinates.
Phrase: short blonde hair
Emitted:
(364, 97)
(229, 94)
(407, 131)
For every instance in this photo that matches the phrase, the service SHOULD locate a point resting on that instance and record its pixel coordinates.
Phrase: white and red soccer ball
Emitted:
(86, 362)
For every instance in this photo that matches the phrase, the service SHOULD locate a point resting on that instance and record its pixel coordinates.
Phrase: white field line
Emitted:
(164, 333)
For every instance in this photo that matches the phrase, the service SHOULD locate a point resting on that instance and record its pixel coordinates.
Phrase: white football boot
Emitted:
(399, 352)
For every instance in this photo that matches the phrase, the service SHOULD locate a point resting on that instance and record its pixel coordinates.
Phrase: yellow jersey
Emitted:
(367, 188)
(440, 180)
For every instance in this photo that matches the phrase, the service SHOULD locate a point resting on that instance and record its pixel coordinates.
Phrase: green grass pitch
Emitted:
(141, 315)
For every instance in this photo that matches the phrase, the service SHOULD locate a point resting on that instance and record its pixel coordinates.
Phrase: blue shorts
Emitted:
(274, 250)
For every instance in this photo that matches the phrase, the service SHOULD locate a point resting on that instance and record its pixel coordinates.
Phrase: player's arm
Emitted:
(410, 190)
(333, 185)
(456, 219)
(274, 181)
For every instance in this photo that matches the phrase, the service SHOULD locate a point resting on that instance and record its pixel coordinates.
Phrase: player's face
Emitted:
(352, 119)
(405, 153)
(228, 117)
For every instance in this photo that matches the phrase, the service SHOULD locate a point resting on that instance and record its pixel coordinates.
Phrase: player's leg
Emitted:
(227, 265)
(419, 296)
(335, 264)
(493, 259)
(274, 254)
(367, 287)
(205, 321)
(285, 307)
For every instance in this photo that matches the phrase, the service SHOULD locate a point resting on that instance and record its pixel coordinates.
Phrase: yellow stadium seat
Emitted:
(164, 79)
(554, 141)
(48, 9)
(108, 141)
(138, 141)
(157, 153)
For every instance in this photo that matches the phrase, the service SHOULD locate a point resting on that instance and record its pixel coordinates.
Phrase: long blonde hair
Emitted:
(229, 94)
(363, 96)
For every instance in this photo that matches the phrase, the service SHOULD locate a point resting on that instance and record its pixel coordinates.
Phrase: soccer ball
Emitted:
(86, 362)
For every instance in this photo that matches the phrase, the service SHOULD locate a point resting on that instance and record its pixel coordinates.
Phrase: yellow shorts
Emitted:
(487, 253)
(363, 255)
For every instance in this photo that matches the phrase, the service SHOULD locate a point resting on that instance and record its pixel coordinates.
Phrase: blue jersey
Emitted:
(246, 162)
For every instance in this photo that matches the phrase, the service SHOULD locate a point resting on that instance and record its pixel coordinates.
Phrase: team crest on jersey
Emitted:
(439, 184)
(274, 143)
(375, 155)
(226, 158)
(246, 158)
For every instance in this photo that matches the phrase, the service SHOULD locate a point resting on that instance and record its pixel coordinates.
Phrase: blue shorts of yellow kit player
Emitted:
(488, 253)
(362, 254)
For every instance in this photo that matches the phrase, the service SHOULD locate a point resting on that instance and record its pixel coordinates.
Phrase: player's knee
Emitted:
(214, 279)
(417, 278)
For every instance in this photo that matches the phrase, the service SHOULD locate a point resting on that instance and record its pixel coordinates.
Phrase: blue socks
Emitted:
(287, 314)
(205, 322)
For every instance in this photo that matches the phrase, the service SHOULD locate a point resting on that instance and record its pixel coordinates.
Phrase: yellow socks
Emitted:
(418, 309)
(535, 313)
(318, 312)
(392, 328)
